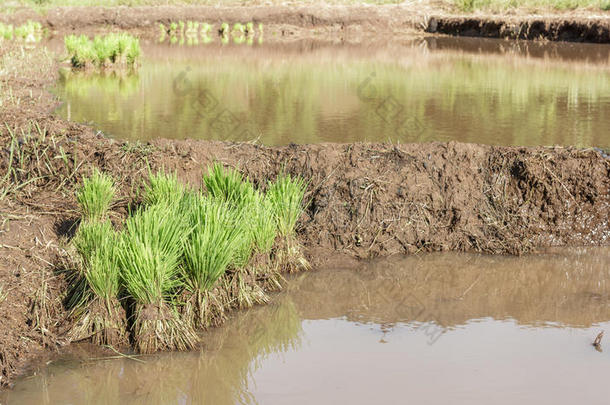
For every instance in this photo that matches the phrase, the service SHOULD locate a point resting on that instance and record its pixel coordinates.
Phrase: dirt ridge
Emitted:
(349, 22)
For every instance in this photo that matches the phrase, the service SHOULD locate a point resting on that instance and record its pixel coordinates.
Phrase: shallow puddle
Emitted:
(439, 328)
(431, 89)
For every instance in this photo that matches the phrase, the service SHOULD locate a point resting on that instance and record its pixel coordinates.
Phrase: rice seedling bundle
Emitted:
(95, 196)
(31, 31)
(209, 249)
(229, 185)
(150, 254)
(111, 50)
(94, 296)
(286, 197)
(163, 188)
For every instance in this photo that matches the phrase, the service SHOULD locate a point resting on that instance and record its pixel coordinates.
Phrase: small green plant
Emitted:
(224, 29)
(111, 50)
(209, 250)
(239, 28)
(205, 28)
(250, 28)
(95, 196)
(94, 296)
(286, 197)
(230, 186)
(31, 31)
(163, 188)
(150, 254)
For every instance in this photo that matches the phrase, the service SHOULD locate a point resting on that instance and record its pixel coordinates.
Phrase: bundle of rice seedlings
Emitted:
(286, 198)
(209, 249)
(6, 31)
(163, 188)
(263, 230)
(95, 196)
(230, 186)
(149, 255)
(94, 296)
(80, 50)
(111, 50)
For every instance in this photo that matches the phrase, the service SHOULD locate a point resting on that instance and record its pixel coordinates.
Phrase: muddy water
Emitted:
(432, 89)
(440, 328)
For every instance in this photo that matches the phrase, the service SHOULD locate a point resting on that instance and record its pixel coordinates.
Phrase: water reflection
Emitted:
(434, 89)
(430, 328)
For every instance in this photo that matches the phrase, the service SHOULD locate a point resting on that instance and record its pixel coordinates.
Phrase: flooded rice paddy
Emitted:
(427, 89)
(437, 328)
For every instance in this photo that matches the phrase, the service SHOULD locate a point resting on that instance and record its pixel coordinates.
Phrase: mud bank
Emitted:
(577, 29)
(344, 23)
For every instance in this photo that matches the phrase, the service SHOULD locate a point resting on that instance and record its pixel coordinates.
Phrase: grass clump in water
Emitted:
(109, 51)
(150, 254)
(286, 197)
(95, 196)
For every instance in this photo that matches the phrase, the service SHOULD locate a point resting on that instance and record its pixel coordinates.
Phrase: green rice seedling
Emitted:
(103, 51)
(209, 249)
(150, 253)
(205, 28)
(286, 197)
(95, 196)
(173, 27)
(250, 28)
(80, 49)
(224, 29)
(229, 185)
(163, 188)
(181, 26)
(260, 28)
(6, 31)
(162, 28)
(95, 289)
(238, 28)
(263, 227)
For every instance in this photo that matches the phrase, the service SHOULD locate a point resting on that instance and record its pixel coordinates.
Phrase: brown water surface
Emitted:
(431, 329)
(424, 89)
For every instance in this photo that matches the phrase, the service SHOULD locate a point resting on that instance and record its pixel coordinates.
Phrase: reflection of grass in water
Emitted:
(277, 100)
(218, 375)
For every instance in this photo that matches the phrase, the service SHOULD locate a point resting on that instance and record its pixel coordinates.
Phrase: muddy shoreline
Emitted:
(364, 200)
(344, 23)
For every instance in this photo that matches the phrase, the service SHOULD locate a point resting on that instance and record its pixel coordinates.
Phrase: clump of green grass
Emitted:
(31, 31)
(94, 296)
(182, 258)
(95, 196)
(163, 188)
(286, 197)
(209, 249)
(229, 185)
(108, 51)
(150, 254)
